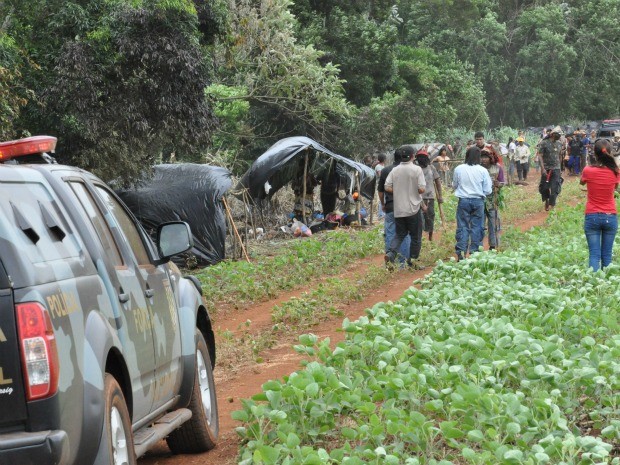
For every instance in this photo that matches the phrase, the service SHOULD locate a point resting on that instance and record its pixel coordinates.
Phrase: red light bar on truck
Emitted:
(27, 146)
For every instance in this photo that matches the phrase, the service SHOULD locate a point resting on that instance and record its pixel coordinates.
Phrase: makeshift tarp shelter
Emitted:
(185, 192)
(432, 148)
(278, 166)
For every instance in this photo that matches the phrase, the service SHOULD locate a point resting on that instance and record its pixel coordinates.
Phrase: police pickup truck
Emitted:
(105, 348)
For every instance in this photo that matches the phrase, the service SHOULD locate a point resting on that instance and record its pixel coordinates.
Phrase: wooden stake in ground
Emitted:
(303, 200)
(232, 222)
(358, 201)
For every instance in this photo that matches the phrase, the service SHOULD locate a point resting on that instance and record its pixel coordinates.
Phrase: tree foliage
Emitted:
(121, 82)
(288, 90)
(127, 83)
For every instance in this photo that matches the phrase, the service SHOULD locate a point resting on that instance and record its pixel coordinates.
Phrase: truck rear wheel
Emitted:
(199, 434)
(117, 424)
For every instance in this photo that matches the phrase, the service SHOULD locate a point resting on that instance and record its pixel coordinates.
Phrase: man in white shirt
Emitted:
(522, 155)
(512, 168)
(407, 184)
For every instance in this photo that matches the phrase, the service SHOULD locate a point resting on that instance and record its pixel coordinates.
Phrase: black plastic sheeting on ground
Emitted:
(185, 192)
(278, 166)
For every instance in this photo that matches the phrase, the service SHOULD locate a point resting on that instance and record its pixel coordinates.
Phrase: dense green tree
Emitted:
(288, 89)
(118, 82)
(542, 66)
(13, 93)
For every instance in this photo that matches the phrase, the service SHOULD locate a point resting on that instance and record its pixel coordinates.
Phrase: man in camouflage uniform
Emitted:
(549, 157)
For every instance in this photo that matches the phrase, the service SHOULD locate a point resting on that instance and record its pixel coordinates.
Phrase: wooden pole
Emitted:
(232, 222)
(442, 216)
(358, 201)
(303, 200)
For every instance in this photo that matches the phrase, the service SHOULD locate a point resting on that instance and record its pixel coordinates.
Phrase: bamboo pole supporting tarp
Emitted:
(303, 200)
(232, 222)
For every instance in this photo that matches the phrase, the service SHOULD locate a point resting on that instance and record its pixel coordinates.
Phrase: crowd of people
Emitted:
(412, 189)
(409, 188)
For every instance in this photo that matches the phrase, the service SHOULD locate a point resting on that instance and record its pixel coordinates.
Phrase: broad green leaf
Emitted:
(267, 455)
(292, 440)
(240, 415)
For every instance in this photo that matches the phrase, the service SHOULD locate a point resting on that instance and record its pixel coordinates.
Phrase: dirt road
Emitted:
(282, 360)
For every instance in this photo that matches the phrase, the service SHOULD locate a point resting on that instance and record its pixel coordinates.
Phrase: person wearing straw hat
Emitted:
(550, 177)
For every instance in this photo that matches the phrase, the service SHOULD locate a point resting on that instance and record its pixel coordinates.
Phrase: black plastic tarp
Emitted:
(278, 166)
(185, 192)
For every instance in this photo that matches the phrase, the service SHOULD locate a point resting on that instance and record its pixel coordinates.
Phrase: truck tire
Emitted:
(117, 424)
(199, 434)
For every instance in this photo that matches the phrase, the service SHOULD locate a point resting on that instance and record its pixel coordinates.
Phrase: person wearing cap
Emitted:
(387, 202)
(407, 184)
(433, 190)
(491, 202)
(522, 157)
(471, 183)
(550, 178)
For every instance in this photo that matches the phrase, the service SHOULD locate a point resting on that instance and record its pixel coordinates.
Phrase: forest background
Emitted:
(122, 83)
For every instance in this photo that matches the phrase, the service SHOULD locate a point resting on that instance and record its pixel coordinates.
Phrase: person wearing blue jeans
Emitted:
(471, 183)
(601, 218)
(406, 183)
(469, 226)
(600, 230)
(386, 201)
(389, 229)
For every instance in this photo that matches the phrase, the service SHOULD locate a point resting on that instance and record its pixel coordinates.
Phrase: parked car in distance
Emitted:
(105, 347)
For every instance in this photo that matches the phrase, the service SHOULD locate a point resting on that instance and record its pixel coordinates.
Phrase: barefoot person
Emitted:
(601, 220)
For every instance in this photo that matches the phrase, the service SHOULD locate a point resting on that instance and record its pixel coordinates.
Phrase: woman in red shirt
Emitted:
(601, 221)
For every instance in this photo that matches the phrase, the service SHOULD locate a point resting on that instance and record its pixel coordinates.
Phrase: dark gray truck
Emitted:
(105, 348)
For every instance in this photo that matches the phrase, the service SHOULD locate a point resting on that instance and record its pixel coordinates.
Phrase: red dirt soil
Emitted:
(282, 359)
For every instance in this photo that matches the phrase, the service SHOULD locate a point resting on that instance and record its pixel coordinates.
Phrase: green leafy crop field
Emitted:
(510, 358)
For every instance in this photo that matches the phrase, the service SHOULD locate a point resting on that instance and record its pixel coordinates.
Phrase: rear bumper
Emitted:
(42, 447)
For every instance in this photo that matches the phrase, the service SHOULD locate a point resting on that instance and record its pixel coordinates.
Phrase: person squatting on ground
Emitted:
(550, 176)
(522, 157)
(491, 210)
(407, 184)
(471, 183)
(433, 190)
(386, 199)
(601, 219)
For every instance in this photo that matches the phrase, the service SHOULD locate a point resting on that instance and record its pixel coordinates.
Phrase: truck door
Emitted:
(12, 396)
(138, 348)
(159, 297)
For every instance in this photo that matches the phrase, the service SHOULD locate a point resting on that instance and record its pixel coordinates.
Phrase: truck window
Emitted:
(31, 221)
(126, 224)
(96, 218)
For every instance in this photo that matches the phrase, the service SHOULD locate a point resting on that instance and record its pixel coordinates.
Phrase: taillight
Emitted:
(39, 352)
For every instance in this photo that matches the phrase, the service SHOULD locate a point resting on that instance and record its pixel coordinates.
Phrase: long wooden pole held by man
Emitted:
(441, 214)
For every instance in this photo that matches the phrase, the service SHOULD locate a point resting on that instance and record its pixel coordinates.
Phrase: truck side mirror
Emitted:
(172, 239)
